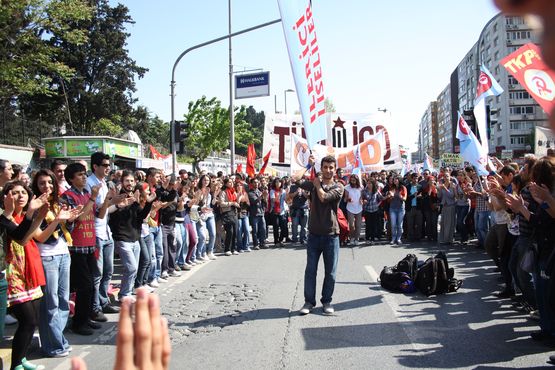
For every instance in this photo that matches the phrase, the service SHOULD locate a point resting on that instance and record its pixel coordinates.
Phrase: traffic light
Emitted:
(181, 133)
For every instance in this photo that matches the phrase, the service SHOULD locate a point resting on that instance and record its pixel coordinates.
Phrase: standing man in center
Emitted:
(100, 164)
(323, 237)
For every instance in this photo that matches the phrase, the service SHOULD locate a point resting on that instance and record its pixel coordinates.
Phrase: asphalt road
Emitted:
(240, 312)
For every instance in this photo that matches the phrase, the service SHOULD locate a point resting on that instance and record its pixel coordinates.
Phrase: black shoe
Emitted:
(99, 316)
(82, 330)
(551, 360)
(505, 293)
(541, 335)
(94, 325)
(110, 309)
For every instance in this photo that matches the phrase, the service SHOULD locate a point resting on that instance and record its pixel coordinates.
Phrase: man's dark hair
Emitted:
(507, 170)
(469, 169)
(182, 171)
(127, 173)
(56, 163)
(72, 169)
(97, 158)
(329, 159)
(17, 169)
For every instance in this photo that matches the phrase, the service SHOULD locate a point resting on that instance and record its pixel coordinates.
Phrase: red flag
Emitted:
(251, 156)
(266, 159)
(239, 168)
(156, 154)
(527, 66)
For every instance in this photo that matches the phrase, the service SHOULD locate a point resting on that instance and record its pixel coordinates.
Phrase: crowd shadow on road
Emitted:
(463, 329)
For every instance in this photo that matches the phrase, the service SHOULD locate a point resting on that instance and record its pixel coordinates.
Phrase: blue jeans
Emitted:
(54, 306)
(201, 243)
(156, 262)
(299, 217)
(129, 253)
(522, 279)
(462, 212)
(182, 241)
(328, 246)
(258, 226)
(210, 224)
(103, 275)
(396, 218)
(243, 231)
(547, 315)
(481, 225)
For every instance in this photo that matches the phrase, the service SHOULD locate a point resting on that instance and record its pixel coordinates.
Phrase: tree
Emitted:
(104, 78)
(256, 121)
(330, 108)
(28, 59)
(209, 129)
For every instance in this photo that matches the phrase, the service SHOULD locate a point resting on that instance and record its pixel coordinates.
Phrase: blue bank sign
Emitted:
(252, 85)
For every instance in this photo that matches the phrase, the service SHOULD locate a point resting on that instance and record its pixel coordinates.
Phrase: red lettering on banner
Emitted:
(308, 12)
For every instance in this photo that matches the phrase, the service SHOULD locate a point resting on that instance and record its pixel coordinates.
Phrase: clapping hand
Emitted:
(514, 202)
(38, 203)
(540, 193)
(95, 190)
(67, 214)
(151, 197)
(9, 204)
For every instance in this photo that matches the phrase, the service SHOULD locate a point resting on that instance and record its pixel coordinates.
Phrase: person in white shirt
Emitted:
(353, 198)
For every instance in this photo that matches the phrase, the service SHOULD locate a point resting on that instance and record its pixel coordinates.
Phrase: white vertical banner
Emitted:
(304, 54)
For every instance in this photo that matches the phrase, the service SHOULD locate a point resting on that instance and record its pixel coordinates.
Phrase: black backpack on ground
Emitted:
(435, 276)
(396, 281)
(409, 264)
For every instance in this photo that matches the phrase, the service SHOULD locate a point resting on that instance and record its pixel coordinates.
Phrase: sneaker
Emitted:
(162, 280)
(98, 316)
(211, 256)
(177, 268)
(30, 366)
(110, 309)
(256, 247)
(235, 253)
(10, 320)
(154, 284)
(398, 242)
(305, 310)
(392, 242)
(186, 268)
(165, 275)
(535, 315)
(69, 348)
(228, 253)
(60, 354)
(248, 250)
(174, 273)
(82, 330)
(328, 309)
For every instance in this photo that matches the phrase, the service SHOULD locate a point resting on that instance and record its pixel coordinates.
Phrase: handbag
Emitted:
(528, 260)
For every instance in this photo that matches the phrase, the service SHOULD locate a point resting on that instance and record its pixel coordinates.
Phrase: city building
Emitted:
(428, 136)
(514, 114)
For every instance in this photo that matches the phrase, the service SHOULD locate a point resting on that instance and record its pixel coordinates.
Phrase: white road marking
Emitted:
(405, 322)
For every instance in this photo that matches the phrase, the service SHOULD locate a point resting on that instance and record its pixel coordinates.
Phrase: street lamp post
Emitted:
(285, 98)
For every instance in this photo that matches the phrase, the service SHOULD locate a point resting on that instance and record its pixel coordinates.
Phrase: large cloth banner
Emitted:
(304, 54)
(344, 131)
(528, 67)
(366, 156)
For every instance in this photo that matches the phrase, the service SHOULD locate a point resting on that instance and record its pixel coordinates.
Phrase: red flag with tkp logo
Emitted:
(527, 66)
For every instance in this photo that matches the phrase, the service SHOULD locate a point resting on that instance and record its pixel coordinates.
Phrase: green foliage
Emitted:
(28, 59)
(105, 127)
(329, 105)
(209, 130)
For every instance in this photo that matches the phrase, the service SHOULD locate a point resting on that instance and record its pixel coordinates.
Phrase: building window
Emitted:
(499, 141)
(512, 81)
(519, 95)
(518, 140)
(525, 109)
(522, 125)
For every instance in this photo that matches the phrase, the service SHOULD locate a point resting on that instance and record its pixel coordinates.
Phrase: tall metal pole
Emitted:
(198, 46)
(285, 101)
(231, 110)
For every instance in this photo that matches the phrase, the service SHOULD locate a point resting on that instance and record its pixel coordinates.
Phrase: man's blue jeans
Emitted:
(156, 263)
(258, 225)
(54, 305)
(103, 274)
(299, 217)
(481, 225)
(462, 212)
(328, 246)
(129, 253)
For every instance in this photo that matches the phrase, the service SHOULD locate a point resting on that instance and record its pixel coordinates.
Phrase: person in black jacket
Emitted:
(126, 219)
(167, 194)
(414, 209)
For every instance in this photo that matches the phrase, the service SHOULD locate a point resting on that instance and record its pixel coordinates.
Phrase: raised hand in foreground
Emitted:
(143, 344)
